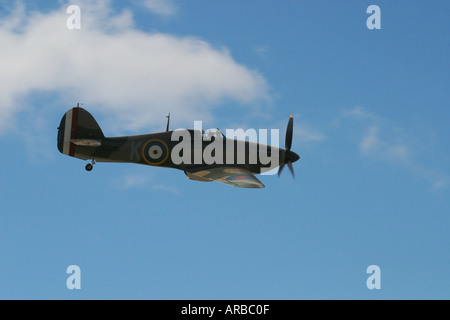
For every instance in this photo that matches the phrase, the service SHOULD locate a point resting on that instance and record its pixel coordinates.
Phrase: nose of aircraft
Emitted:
(291, 156)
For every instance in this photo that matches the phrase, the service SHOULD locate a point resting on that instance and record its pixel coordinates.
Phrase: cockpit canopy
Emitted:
(212, 134)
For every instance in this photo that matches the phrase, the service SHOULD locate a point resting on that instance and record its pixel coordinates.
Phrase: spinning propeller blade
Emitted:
(290, 156)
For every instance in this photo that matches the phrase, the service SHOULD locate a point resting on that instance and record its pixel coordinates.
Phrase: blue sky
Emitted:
(371, 127)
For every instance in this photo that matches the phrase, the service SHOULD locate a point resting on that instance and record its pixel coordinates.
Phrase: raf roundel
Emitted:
(155, 152)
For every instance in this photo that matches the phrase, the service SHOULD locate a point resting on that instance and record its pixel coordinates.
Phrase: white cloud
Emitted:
(304, 133)
(370, 141)
(161, 7)
(146, 180)
(166, 188)
(132, 77)
(261, 51)
(383, 141)
(372, 145)
(129, 181)
(380, 140)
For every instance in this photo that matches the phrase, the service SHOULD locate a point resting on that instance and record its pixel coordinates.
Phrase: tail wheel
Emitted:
(90, 166)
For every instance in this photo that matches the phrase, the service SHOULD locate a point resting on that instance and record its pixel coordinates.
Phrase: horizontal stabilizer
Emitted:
(87, 142)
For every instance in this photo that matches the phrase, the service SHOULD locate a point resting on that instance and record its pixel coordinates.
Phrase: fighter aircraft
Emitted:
(80, 136)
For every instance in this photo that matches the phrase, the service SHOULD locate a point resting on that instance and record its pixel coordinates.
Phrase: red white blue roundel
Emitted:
(155, 152)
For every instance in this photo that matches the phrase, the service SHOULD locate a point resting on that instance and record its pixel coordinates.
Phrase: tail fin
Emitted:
(77, 124)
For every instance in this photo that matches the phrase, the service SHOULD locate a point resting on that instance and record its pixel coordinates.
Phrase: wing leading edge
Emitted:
(237, 177)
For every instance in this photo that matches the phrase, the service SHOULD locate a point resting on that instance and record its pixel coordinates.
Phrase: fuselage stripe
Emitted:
(73, 133)
(67, 132)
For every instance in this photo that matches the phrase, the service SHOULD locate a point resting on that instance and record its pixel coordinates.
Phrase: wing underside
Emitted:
(238, 177)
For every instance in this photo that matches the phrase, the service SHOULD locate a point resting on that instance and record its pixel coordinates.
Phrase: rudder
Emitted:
(77, 123)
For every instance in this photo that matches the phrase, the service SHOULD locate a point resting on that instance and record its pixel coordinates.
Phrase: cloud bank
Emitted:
(128, 75)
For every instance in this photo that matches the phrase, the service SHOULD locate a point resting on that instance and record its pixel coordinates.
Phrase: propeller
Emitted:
(290, 156)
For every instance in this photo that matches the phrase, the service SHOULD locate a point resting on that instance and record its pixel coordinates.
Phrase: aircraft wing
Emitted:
(238, 177)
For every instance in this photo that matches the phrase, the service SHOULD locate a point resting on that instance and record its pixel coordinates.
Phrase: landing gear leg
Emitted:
(90, 166)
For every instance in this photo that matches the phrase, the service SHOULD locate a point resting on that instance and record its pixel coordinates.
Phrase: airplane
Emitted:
(80, 136)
